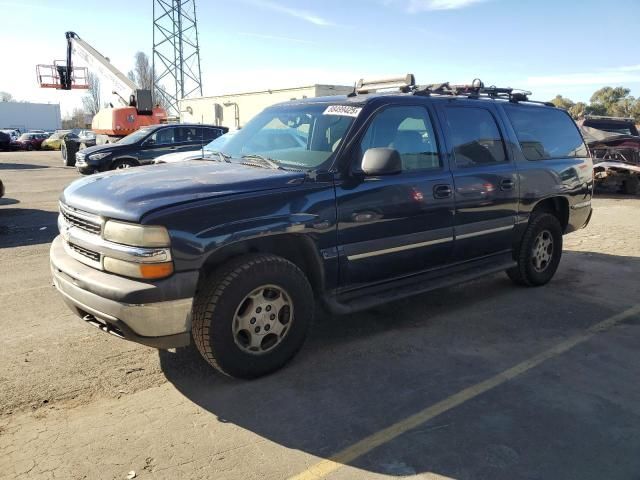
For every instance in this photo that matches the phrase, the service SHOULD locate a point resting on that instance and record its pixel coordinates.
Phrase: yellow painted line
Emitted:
(364, 446)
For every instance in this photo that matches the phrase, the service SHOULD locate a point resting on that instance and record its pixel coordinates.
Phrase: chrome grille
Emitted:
(82, 221)
(90, 254)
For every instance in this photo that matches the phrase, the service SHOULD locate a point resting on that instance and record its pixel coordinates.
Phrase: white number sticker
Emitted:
(342, 110)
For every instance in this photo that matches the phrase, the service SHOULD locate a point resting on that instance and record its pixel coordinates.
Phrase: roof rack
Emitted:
(404, 84)
(475, 89)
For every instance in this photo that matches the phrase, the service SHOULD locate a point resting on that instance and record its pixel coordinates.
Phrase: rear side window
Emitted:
(189, 135)
(546, 133)
(475, 137)
(211, 133)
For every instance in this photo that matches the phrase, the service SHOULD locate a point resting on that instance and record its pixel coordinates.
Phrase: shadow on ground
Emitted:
(25, 226)
(8, 201)
(360, 373)
(20, 166)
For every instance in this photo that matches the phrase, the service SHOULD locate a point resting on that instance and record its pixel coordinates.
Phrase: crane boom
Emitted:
(121, 85)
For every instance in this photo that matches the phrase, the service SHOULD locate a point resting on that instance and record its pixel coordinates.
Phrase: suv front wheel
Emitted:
(252, 315)
(539, 252)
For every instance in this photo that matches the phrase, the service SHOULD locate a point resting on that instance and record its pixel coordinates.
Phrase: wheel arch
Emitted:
(120, 159)
(558, 206)
(298, 249)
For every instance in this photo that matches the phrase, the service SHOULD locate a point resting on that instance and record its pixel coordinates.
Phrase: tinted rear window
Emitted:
(545, 133)
(475, 137)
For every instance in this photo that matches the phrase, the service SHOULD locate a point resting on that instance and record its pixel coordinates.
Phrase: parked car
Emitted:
(54, 141)
(5, 141)
(73, 142)
(13, 133)
(615, 148)
(143, 146)
(29, 141)
(391, 195)
(209, 151)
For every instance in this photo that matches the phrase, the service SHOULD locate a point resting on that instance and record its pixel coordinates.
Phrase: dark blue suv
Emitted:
(143, 146)
(349, 201)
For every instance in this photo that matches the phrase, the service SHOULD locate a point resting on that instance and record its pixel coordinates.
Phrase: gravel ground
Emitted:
(75, 403)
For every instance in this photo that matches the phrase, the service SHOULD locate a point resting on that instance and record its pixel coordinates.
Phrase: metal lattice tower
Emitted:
(176, 54)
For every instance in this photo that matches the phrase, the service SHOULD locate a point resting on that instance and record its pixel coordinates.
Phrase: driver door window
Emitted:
(407, 130)
(165, 136)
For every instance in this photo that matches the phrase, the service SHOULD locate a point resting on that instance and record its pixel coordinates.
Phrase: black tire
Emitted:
(223, 294)
(68, 152)
(631, 185)
(29, 147)
(530, 271)
(121, 164)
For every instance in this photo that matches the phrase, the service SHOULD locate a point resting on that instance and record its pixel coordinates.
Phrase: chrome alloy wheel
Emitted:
(262, 319)
(542, 251)
(123, 165)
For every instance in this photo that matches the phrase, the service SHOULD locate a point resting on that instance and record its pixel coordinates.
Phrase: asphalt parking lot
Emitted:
(483, 380)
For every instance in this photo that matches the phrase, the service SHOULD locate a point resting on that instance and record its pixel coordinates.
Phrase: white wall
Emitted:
(30, 116)
(202, 110)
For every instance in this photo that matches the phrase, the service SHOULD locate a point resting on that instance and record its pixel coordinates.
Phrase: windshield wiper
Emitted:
(222, 157)
(262, 160)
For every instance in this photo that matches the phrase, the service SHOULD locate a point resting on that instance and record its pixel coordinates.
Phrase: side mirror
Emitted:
(149, 142)
(381, 161)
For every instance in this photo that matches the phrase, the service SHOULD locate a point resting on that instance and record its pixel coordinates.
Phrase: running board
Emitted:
(373, 296)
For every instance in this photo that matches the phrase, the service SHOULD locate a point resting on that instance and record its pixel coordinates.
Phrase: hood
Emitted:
(107, 147)
(130, 194)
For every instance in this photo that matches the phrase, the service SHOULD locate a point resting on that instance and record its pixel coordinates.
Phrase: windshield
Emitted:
(217, 144)
(297, 136)
(134, 137)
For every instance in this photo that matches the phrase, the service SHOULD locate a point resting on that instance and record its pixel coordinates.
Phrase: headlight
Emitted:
(147, 271)
(136, 235)
(98, 156)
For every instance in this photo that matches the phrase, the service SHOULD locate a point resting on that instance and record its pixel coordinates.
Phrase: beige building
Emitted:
(236, 110)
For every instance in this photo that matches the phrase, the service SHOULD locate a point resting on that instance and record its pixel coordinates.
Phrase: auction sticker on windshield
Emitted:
(343, 110)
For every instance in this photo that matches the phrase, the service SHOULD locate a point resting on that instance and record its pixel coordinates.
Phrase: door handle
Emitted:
(442, 191)
(506, 184)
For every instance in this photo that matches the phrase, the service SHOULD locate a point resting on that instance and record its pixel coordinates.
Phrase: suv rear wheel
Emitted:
(539, 252)
(252, 315)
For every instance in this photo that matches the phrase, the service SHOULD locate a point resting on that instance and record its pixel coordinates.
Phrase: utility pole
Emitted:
(176, 53)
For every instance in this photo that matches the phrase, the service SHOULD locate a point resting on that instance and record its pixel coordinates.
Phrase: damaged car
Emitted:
(614, 144)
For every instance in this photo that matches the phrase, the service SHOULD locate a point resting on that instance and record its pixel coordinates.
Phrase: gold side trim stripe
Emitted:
(401, 248)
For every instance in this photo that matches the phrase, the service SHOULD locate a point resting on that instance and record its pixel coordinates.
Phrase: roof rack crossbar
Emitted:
(404, 84)
(474, 90)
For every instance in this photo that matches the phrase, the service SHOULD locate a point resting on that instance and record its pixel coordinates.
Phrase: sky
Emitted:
(547, 46)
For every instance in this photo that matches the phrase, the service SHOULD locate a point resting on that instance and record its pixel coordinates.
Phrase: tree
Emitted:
(562, 102)
(77, 119)
(143, 76)
(92, 100)
(578, 110)
(142, 73)
(607, 97)
(6, 97)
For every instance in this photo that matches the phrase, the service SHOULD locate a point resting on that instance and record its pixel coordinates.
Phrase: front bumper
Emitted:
(138, 311)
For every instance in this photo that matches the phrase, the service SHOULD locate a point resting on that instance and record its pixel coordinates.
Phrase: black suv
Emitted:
(144, 145)
(389, 195)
